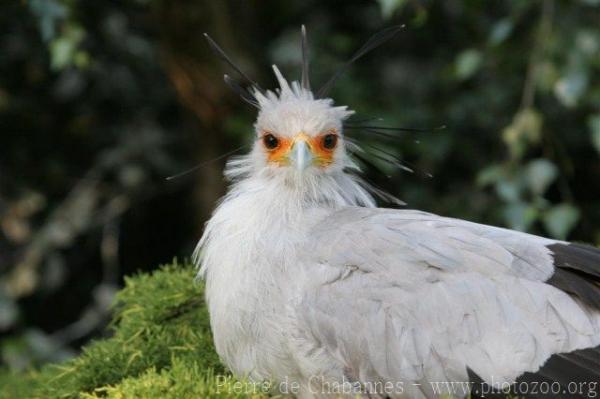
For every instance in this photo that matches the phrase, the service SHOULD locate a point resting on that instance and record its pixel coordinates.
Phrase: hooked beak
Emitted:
(301, 155)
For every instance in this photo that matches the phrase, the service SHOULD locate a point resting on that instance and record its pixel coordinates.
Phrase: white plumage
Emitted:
(307, 281)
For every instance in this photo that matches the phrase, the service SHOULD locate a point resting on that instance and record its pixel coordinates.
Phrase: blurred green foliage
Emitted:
(100, 101)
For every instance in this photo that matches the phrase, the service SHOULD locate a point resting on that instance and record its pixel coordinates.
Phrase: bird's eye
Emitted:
(330, 141)
(270, 141)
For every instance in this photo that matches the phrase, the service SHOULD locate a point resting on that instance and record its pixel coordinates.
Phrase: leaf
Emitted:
(467, 63)
(48, 13)
(587, 42)
(560, 220)
(520, 216)
(9, 312)
(569, 88)
(64, 49)
(509, 190)
(594, 125)
(540, 173)
(548, 75)
(489, 175)
(524, 130)
(501, 31)
(389, 7)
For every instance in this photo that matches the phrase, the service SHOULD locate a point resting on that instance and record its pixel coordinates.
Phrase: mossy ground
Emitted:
(160, 347)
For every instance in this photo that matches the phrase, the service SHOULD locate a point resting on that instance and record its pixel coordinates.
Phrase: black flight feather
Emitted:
(576, 284)
(479, 388)
(577, 271)
(581, 257)
(579, 369)
(567, 375)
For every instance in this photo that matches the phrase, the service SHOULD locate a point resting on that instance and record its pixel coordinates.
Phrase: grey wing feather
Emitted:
(444, 243)
(416, 297)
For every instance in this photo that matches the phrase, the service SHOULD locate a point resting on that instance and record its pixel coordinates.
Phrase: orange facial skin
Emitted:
(280, 155)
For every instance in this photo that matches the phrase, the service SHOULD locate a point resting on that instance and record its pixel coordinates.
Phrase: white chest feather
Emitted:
(247, 259)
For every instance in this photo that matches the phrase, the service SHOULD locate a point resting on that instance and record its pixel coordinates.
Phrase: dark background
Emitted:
(101, 100)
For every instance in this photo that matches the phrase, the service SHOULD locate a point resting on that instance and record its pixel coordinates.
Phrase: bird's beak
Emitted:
(301, 155)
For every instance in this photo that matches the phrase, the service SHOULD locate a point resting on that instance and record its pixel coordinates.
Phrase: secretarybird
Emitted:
(311, 286)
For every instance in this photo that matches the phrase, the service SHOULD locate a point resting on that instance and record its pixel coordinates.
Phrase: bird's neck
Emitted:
(272, 201)
(265, 216)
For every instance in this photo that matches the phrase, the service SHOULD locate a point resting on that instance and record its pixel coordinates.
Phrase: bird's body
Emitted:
(381, 295)
(310, 285)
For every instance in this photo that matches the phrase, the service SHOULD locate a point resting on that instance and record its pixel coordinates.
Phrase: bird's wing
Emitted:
(410, 296)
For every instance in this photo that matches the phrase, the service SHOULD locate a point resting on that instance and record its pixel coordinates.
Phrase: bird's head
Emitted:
(299, 133)
(296, 133)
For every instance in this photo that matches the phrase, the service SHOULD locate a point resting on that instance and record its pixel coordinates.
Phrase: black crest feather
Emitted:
(305, 82)
(374, 41)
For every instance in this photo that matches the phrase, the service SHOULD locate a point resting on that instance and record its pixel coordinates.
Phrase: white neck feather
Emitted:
(269, 207)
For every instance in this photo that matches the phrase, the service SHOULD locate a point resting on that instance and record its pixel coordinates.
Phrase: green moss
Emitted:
(18, 385)
(160, 331)
(181, 380)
